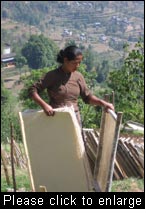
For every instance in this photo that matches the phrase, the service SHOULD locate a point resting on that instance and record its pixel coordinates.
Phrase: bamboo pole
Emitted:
(12, 158)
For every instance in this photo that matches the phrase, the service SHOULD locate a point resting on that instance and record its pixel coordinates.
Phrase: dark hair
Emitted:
(70, 52)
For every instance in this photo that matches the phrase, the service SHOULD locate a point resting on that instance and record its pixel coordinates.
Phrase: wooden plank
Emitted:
(122, 163)
(131, 167)
(126, 160)
(55, 151)
(118, 172)
(135, 158)
(106, 152)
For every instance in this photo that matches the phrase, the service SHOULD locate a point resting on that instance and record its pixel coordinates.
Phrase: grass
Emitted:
(23, 183)
(135, 133)
(128, 185)
(22, 180)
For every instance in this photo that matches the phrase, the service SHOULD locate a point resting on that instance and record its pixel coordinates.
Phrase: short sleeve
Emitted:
(36, 87)
(41, 84)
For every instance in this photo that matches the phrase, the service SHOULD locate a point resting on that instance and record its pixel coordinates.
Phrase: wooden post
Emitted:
(107, 97)
(12, 159)
(113, 98)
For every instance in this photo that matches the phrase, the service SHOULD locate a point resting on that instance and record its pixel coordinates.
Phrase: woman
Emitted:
(65, 84)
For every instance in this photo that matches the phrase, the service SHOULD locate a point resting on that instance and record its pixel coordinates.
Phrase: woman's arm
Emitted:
(93, 100)
(47, 108)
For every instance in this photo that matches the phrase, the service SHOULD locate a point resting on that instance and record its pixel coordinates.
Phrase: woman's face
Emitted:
(73, 65)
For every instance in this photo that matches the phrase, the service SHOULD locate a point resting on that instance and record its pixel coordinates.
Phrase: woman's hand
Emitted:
(109, 106)
(96, 101)
(48, 110)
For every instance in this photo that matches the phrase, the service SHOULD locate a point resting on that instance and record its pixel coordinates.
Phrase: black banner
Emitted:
(72, 200)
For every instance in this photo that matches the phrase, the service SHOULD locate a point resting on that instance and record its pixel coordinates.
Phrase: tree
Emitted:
(34, 76)
(89, 114)
(40, 52)
(128, 84)
(70, 42)
(102, 71)
(5, 14)
(89, 58)
(20, 61)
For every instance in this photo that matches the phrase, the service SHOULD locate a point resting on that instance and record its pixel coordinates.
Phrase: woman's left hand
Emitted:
(109, 106)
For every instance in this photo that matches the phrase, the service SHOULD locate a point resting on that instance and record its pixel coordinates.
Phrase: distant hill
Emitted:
(33, 12)
(29, 12)
(106, 25)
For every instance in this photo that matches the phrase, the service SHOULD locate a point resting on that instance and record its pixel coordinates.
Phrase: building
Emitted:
(7, 58)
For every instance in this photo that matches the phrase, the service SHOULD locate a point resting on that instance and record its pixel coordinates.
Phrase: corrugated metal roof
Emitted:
(7, 56)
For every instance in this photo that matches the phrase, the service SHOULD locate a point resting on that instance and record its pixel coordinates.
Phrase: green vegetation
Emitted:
(23, 11)
(128, 84)
(34, 75)
(40, 52)
(22, 180)
(23, 183)
(128, 185)
(136, 133)
(9, 114)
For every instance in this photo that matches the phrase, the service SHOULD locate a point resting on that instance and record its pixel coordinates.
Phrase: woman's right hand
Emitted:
(48, 110)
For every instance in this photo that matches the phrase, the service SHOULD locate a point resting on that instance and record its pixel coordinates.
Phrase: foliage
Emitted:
(116, 45)
(22, 181)
(128, 85)
(24, 11)
(128, 185)
(8, 115)
(34, 76)
(89, 58)
(70, 42)
(20, 61)
(102, 71)
(40, 52)
(90, 114)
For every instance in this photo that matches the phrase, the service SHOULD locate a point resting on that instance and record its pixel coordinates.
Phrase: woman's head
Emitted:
(70, 57)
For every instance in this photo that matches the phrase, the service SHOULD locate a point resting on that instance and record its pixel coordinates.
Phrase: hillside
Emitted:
(103, 25)
(106, 25)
